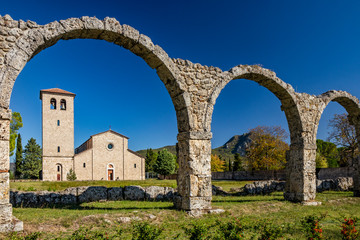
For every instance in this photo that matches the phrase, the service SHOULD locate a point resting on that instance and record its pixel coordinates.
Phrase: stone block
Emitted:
(154, 193)
(115, 194)
(134, 193)
(5, 214)
(92, 194)
(4, 155)
(195, 203)
(5, 188)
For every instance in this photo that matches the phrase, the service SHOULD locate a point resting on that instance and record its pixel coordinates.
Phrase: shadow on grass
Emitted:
(247, 200)
(79, 207)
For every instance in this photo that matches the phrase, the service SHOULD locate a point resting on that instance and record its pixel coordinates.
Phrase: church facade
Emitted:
(104, 156)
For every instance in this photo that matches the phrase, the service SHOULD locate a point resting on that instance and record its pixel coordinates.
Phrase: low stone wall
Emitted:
(250, 176)
(321, 173)
(77, 195)
(267, 187)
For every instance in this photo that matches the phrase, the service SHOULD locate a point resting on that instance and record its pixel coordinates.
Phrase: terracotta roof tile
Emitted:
(56, 90)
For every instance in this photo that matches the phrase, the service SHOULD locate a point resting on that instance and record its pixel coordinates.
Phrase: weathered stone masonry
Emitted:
(193, 89)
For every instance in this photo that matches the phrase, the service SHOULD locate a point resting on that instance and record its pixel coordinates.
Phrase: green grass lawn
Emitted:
(59, 186)
(249, 210)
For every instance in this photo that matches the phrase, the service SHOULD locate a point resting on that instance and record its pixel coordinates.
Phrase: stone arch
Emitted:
(352, 107)
(39, 37)
(266, 78)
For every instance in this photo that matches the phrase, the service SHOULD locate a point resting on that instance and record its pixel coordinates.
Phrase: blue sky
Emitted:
(313, 45)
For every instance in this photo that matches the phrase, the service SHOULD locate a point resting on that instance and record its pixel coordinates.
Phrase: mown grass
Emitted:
(59, 186)
(251, 210)
(61, 222)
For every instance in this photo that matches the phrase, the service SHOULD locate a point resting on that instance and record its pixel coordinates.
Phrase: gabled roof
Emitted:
(111, 131)
(137, 154)
(56, 91)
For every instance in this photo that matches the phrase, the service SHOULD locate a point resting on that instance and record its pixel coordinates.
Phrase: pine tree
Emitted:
(32, 160)
(165, 163)
(18, 157)
(71, 176)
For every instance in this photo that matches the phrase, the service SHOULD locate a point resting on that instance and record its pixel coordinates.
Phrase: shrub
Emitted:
(312, 227)
(145, 231)
(348, 230)
(230, 230)
(87, 234)
(197, 231)
(271, 231)
(71, 176)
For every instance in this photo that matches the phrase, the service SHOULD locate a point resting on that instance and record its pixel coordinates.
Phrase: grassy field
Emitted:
(59, 186)
(250, 210)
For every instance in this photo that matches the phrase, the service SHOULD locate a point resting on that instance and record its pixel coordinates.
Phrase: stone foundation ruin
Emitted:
(193, 89)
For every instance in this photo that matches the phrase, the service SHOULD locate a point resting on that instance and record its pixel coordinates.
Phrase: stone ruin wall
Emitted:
(193, 89)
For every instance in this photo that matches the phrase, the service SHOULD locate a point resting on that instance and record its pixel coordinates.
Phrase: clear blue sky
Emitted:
(313, 45)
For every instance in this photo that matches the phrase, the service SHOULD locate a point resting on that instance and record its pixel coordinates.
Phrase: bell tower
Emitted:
(57, 133)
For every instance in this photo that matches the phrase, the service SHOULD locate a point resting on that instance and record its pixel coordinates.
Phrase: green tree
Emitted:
(71, 176)
(321, 161)
(267, 149)
(32, 160)
(18, 157)
(165, 163)
(15, 125)
(238, 163)
(329, 151)
(150, 160)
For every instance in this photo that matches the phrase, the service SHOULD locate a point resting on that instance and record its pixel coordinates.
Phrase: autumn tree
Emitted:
(267, 149)
(344, 135)
(15, 125)
(217, 165)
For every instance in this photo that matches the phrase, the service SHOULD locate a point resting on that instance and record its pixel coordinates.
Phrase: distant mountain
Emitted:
(236, 144)
(171, 148)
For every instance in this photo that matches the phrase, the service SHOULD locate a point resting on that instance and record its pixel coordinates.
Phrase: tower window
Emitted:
(53, 104)
(84, 164)
(63, 104)
(58, 122)
(58, 148)
(58, 168)
(135, 165)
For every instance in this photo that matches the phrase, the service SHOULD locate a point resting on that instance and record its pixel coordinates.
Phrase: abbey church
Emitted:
(104, 156)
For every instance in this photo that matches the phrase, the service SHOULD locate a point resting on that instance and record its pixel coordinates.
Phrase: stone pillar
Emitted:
(194, 176)
(355, 121)
(7, 221)
(301, 174)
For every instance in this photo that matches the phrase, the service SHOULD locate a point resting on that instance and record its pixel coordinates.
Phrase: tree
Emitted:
(15, 125)
(217, 165)
(238, 162)
(267, 149)
(71, 176)
(344, 135)
(150, 160)
(18, 157)
(321, 161)
(32, 160)
(329, 151)
(165, 163)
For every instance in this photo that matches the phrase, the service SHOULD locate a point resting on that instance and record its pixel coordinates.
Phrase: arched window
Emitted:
(84, 165)
(53, 103)
(63, 104)
(110, 166)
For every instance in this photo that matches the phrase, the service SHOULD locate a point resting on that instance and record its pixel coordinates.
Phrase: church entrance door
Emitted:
(110, 174)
